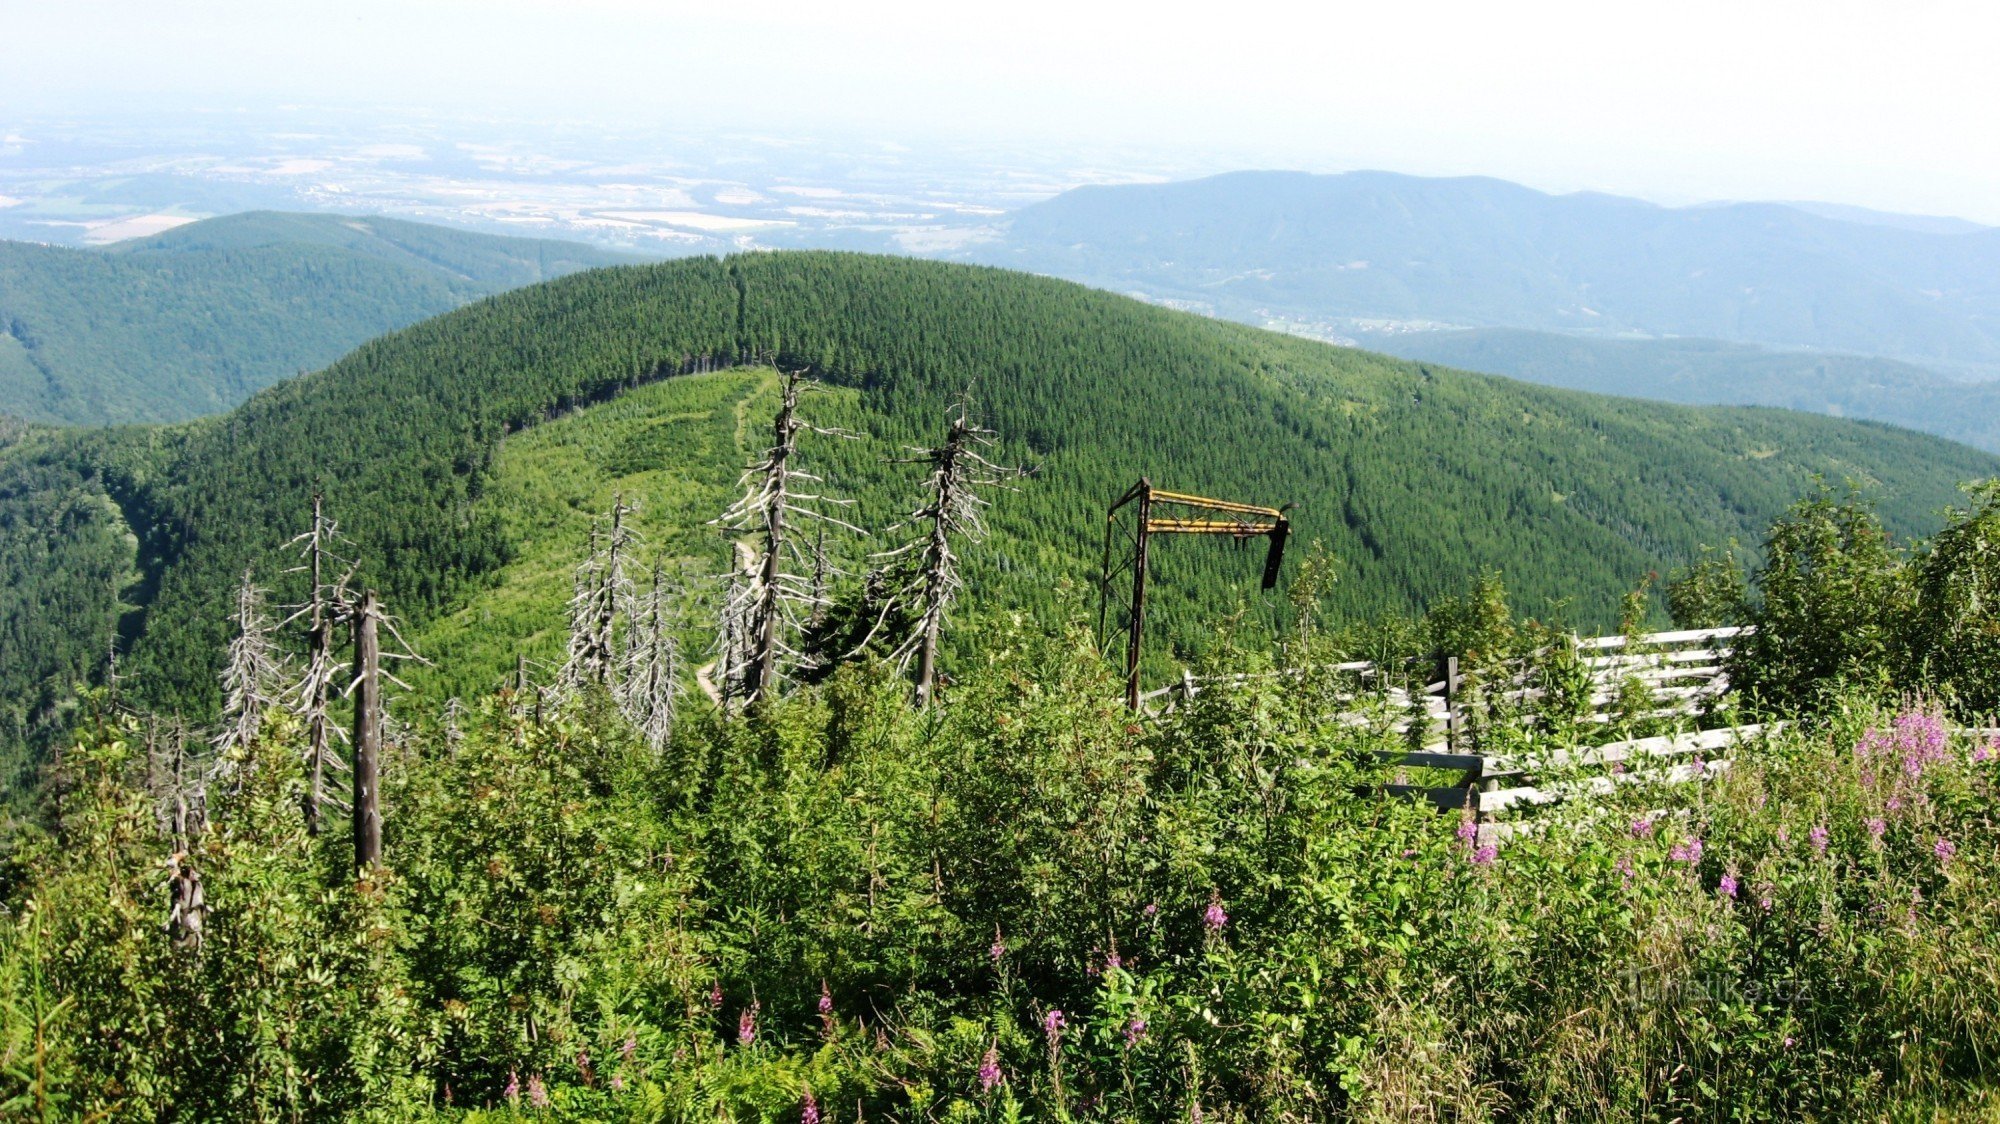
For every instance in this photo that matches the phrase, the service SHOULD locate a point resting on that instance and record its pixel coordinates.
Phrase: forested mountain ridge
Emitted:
(1418, 478)
(192, 321)
(1477, 252)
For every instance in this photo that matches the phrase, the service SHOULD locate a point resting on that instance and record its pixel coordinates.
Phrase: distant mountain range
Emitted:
(1483, 253)
(192, 321)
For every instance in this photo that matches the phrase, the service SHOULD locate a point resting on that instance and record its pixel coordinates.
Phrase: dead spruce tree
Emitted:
(368, 622)
(601, 588)
(925, 569)
(322, 612)
(250, 676)
(723, 679)
(650, 669)
(772, 512)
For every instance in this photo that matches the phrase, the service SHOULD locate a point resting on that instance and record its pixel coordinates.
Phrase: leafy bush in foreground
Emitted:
(1023, 904)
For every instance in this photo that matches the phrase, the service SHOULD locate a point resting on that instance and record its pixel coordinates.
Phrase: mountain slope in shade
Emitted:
(1484, 253)
(194, 320)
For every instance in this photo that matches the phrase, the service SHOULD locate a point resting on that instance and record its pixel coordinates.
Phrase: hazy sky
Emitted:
(1894, 105)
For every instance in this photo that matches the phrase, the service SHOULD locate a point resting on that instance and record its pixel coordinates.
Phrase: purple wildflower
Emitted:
(1053, 1024)
(1727, 887)
(630, 1047)
(809, 1114)
(1944, 850)
(1113, 962)
(715, 996)
(1468, 830)
(1688, 852)
(746, 1024)
(1895, 804)
(513, 1090)
(999, 948)
(1642, 828)
(1624, 866)
(538, 1094)
(1819, 836)
(1764, 903)
(989, 1069)
(1877, 825)
(825, 1000)
(583, 1067)
(617, 1083)
(1152, 910)
(1485, 854)
(1134, 1032)
(1213, 917)
(1410, 852)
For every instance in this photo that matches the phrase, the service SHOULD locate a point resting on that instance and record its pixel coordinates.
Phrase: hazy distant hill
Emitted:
(193, 321)
(1713, 372)
(1485, 253)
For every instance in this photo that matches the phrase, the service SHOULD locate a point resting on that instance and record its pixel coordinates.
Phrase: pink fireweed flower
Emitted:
(1983, 752)
(809, 1112)
(746, 1025)
(1819, 836)
(1134, 1032)
(1688, 852)
(989, 1069)
(825, 1000)
(538, 1094)
(630, 1047)
(1410, 852)
(1468, 830)
(1642, 828)
(1053, 1024)
(1895, 804)
(1624, 866)
(513, 1090)
(1485, 854)
(1213, 918)
(617, 1083)
(1877, 825)
(715, 997)
(1113, 962)
(999, 948)
(1727, 887)
(1944, 850)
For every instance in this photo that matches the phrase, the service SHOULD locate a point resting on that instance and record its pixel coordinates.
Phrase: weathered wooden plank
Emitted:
(1559, 792)
(1664, 745)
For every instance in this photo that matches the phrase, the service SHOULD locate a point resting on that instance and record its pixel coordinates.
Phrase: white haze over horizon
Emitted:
(1890, 106)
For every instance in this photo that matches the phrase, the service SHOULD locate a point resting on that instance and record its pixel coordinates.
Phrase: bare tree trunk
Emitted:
(367, 735)
(764, 663)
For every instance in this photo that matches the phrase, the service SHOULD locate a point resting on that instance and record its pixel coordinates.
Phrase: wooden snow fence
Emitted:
(1681, 673)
